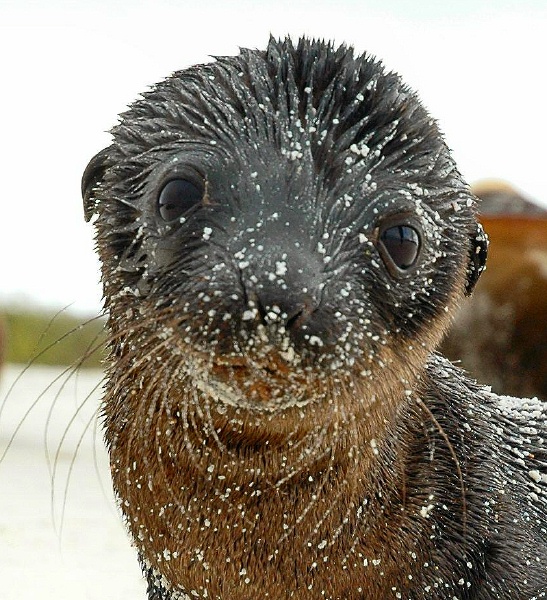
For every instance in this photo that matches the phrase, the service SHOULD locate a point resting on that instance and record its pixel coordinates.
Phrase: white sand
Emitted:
(91, 558)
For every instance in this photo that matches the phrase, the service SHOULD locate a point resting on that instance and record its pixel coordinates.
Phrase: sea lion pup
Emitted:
(284, 237)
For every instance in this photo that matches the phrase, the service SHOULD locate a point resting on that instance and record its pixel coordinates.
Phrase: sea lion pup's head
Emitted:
(282, 234)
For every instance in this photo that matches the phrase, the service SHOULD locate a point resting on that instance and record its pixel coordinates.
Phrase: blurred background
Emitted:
(67, 69)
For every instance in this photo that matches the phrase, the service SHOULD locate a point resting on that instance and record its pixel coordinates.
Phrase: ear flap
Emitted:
(92, 176)
(477, 258)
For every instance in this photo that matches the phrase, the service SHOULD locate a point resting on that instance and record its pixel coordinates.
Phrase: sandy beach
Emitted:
(60, 535)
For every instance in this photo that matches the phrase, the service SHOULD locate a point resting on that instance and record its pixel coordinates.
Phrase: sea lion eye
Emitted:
(177, 197)
(400, 246)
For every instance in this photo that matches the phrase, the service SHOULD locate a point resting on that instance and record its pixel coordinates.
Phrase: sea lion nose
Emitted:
(283, 285)
(281, 271)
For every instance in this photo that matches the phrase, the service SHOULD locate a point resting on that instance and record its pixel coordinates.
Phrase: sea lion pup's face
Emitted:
(278, 230)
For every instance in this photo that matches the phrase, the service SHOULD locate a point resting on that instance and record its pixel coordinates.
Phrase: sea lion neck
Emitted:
(184, 494)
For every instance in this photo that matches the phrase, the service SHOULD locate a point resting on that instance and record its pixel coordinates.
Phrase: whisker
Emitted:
(454, 456)
(69, 474)
(99, 476)
(145, 410)
(35, 358)
(29, 410)
(60, 445)
(68, 373)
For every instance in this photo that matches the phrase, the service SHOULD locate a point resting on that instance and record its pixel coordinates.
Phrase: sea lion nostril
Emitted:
(291, 311)
(298, 319)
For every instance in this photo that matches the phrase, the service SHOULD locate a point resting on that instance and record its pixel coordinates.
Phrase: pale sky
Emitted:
(68, 68)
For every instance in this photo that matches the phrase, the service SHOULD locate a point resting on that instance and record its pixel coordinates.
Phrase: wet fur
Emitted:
(250, 459)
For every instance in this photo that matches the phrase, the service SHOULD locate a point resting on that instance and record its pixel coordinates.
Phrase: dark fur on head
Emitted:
(277, 421)
(324, 141)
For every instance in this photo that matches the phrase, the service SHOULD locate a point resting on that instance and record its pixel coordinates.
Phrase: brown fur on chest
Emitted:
(319, 517)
